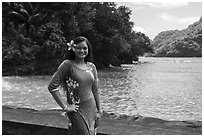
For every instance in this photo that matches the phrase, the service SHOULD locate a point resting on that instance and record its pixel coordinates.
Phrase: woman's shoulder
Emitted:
(92, 65)
(65, 62)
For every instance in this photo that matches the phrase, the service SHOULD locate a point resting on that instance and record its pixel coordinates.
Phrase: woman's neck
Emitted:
(79, 61)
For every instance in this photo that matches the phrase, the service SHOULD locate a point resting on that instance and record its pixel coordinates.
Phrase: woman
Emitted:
(78, 77)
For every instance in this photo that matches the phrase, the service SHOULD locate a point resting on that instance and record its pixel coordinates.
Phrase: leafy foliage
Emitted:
(35, 34)
(184, 43)
(52, 49)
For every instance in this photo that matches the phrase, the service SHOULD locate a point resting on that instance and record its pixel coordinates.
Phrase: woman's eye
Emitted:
(81, 48)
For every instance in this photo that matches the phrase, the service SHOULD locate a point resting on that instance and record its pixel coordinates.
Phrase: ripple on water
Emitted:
(6, 85)
(157, 88)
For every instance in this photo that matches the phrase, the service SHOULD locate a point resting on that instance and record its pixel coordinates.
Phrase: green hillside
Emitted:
(183, 43)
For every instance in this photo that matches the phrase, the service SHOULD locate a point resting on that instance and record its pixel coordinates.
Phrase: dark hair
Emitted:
(71, 55)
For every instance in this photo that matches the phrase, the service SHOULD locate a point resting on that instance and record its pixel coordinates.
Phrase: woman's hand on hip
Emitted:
(98, 118)
(72, 108)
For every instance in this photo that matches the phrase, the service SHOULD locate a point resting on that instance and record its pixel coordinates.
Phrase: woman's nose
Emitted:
(81, 50)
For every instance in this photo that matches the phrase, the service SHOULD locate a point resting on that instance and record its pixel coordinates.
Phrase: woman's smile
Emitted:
(81, 50)
(79, 87)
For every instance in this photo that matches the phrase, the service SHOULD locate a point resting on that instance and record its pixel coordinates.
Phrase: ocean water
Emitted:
(166, 88)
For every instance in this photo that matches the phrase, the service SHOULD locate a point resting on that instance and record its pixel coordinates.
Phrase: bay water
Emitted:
(166, 88)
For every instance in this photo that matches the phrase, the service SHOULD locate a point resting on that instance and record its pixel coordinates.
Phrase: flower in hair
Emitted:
(71, 45)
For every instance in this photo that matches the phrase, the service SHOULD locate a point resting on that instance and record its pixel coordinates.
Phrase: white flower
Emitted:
(77, 84)
(72, 85)
(71, 45)
(71, 93)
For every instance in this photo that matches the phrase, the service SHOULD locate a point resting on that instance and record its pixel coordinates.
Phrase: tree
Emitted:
(52, 47)
(184, 43)
(36, 33)
(27, 15)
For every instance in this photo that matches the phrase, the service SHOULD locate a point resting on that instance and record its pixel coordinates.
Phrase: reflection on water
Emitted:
(167, 88)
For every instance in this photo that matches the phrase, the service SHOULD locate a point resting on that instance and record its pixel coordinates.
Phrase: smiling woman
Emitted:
(81, 50)
(79, 45)
(78, 78)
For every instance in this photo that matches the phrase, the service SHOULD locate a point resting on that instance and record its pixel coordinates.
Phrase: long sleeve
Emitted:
(58, 76)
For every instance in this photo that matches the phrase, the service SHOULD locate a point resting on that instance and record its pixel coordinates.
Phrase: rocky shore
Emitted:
(24, 121)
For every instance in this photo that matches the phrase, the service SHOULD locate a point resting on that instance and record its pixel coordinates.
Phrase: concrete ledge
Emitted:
(17, 128)
(23, 121)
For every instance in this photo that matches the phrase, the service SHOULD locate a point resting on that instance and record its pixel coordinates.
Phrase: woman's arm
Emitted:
(54, 84)
(96, 91)
(66, 107)
(56, 95)
(96, 94)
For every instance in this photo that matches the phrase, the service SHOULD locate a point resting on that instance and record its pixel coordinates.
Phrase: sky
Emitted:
(151, 18)
(154, 16)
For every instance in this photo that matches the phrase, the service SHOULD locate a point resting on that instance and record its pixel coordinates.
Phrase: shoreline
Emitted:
(110, 123)
(107, 115)
(35, 88)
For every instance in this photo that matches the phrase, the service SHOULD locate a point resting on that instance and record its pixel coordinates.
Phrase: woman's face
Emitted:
(81, 50)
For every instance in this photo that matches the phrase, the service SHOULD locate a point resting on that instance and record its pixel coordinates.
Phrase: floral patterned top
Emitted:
(78, 83)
